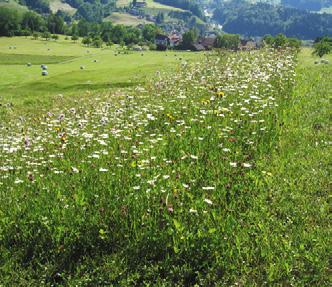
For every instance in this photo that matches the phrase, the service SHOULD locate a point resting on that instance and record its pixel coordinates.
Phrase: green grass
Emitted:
(20, 81)
(31, 46)
(15, 6)
(211, 174)
(122, 3)
(307, 59)
(152, 8)
(56, 5)
(156, 5)
(125, 19)
(11, 59)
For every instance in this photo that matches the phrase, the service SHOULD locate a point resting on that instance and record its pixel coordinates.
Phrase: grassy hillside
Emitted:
(59, 5)
(211, 173)
(125, 19)
(15, 6)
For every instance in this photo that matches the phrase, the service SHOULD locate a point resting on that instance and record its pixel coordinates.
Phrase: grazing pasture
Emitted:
(212, 173)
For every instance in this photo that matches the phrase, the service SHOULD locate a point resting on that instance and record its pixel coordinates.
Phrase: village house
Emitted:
(135, 11)
(174, 39)
(161, 39)
(150, 17)
(198, 47)
(206, 43)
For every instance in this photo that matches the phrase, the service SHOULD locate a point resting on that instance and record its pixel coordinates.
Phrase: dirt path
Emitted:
(75, 59)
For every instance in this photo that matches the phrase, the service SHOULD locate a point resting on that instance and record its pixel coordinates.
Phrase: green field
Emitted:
(56, 5)
(209, 173)
(152, 8)
(14, 6)
(125, 70)
(125, 19)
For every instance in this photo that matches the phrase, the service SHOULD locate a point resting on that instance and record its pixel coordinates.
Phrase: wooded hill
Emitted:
(241, 17)
(236, 16)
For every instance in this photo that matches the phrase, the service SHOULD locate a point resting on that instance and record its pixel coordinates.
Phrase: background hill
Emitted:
(247, 18)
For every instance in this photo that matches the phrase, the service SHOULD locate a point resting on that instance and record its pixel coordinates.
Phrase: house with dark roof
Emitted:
(206, 42)
(198, 47)
(161, 39)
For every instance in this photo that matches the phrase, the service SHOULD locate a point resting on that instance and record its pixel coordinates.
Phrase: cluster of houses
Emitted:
(202, 44)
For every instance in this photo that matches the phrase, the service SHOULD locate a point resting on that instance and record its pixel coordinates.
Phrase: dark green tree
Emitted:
(26, 33)
(47, 35)
(188, 39)
(74, 37)
(321, 48)
(280, 40)
(83, 27)
(86, 40)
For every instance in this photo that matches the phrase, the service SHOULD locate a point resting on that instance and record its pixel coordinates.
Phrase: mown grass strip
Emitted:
(23, 59)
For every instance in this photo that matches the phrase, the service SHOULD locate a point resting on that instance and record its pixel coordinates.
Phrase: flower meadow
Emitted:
(163, 181)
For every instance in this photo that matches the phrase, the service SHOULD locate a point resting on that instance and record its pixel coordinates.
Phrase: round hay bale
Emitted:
(96, 61)
(14, 47)
(115, 54)
(29, 64)
(48, 49)
(180, 58)
(142, 54)
(322, 61)
(175, 55)
(82, 67)
(326, 61)
(45, 43)
(102, 49)
(316, 62)
(88, 51)
(44, 67)
(10, 47)
(166, 55)
(44, 73)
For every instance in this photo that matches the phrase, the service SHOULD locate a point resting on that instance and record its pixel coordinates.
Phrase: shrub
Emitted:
(161, 47)
(153, 47)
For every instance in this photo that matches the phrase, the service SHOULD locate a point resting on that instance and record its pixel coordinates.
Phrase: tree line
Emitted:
(12, 23)
(241, 17)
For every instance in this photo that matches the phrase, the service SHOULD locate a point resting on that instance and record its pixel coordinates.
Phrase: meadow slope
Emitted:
(212, 174)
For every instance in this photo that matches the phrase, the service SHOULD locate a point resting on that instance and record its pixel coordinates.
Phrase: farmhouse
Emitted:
(150, 17)
(161, 39)
(206, 42)
(198, 47)
(174, 39)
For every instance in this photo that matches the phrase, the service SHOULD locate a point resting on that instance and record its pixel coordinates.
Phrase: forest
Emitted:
(241, 17)
(311, 5)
